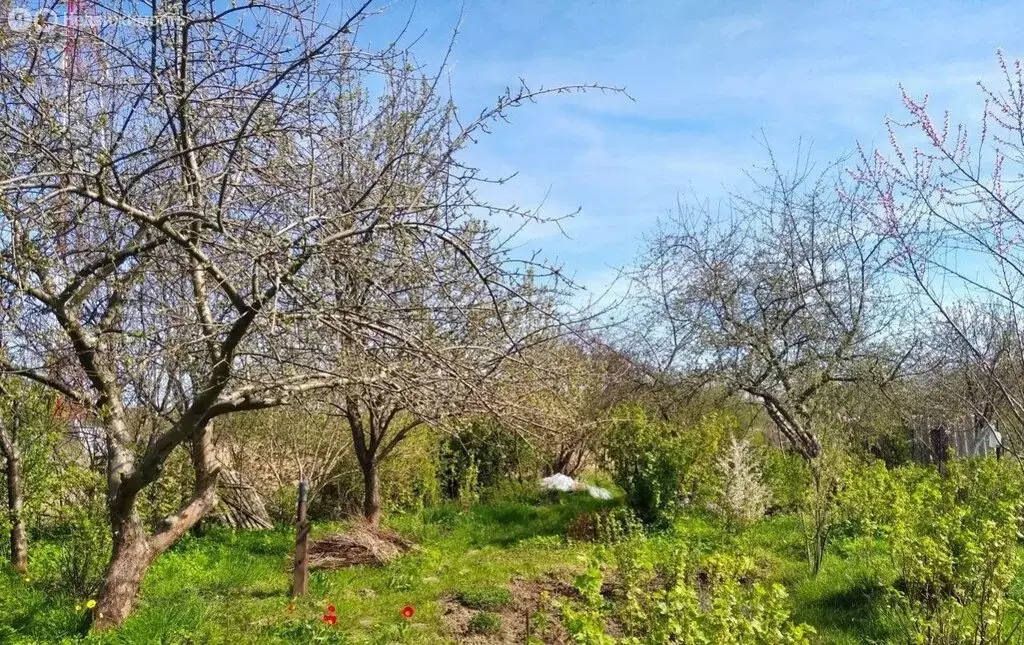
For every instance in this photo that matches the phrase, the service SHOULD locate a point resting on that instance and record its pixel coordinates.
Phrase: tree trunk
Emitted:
(12, 459)
(19, 537)
(371, 492)
(135, 550)
(205, 469)
(132, 556)
(569, 461)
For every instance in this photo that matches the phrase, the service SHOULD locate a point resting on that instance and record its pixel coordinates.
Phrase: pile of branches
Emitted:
(363, 544)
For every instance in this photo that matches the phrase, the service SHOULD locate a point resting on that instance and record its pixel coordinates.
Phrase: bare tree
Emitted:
(951, 198)
(181, 211)
(464, 342)
(268, 451)
(569, 386)
(782, 297)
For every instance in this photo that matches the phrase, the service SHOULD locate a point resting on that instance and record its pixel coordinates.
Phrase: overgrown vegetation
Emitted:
(239, 264)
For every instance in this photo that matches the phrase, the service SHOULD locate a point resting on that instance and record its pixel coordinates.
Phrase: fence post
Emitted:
(300, 582)
(940, 447)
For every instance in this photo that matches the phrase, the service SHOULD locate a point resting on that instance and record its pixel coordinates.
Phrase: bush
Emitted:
(608, 526)
(410, 475)
(171, 491)
(409, 482)
(480, 455)
(282, 505)
(819, 511)
(484, 598)
(743, 498)
(953, 544)
(682, 598)
(663, 468)
(787, 477)
(72, 548)
(485, 623)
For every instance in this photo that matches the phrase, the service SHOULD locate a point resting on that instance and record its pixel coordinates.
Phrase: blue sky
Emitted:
(707, 78)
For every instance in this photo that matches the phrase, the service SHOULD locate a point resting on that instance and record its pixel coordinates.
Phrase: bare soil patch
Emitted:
(517, 617)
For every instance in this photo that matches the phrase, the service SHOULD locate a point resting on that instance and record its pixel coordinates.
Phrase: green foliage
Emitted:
(410, 475)
(409, 483)
(172, 491)
(83, 552)
(64, 504)
(616, 525)
(787, 476)
(819, 510)
(281, 505)
(718, 599)
(479, 455)
(485, 623)
(484, 598)
(679, 597)
(606, 526)
(39, 438)
(953, 544)
(663, 468)
(585, 621)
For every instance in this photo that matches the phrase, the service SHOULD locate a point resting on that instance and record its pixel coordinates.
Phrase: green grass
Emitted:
(844, 602)
(484, 598)
(485, 623)
(228, 587)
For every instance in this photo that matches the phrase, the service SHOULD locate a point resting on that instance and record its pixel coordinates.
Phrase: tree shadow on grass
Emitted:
(854, 611)
(505, 524)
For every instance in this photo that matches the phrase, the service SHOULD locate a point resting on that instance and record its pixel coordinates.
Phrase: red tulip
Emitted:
(408, 611)
(330, 619)
(330, 609)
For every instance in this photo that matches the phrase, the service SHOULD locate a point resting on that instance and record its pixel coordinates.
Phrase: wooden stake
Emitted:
(300, 583)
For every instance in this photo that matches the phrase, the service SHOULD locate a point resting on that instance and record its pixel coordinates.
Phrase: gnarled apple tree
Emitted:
(189, 211)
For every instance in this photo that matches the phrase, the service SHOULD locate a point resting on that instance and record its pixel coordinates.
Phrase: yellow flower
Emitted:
(89, 604)
(78, 608)
(27, 579)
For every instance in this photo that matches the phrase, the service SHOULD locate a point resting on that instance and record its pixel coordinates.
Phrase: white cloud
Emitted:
(707, 78)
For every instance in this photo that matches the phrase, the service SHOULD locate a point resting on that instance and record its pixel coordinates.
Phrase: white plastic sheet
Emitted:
(566, 484)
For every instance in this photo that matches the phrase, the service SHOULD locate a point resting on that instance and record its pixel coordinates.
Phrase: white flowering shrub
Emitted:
(743, 497)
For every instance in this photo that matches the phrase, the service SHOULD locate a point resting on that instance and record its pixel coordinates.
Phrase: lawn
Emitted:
(233, 587)
(227, 587)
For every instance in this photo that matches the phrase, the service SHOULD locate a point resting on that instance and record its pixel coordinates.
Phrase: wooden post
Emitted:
(300, 583)
(940, 447)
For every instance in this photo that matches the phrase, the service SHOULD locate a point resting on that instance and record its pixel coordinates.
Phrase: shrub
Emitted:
(682, 598)
(485, 623)
(953, 544)
(480, 455)
(787, 477)
(743, 497)
(409, 478)
(607, 526)
(410, 475)
(172, 491)
(715, 602)
(71, 552)
(282, 505)
(484, 598)
(663, 468)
